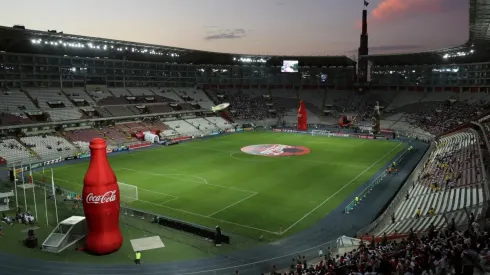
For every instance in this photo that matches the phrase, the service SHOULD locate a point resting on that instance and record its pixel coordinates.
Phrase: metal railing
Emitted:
(142, 220)
(371, 186)
(383, 218)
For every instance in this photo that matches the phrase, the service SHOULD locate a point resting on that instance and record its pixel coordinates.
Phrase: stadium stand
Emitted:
(115, 136)
(141, 91)
(47, 98)
(195, 95)
(158, 125)
(64, 114)
(248, 105)
(183, 128)
(99, 94)
(78, 94)
(48, 146)
(16, 102)
(13, 151)
(119, 110)
(103, 112)
(452, 179)
(169, 94)
(120, 92)
(8, 119)
(220, 122)
(160, 108)
(462, 250)
(203, 125)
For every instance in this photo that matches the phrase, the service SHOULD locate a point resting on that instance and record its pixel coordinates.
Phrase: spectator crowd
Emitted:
(444, 118)
(448, 251)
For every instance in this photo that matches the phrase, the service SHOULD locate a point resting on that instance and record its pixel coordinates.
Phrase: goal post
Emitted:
(320, 133)
(128, 192)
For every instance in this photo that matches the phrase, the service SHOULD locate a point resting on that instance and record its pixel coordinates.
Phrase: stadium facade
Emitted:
(55, 61)
(50, 59)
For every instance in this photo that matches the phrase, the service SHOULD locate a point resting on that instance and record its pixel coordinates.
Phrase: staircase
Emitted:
(62, 135)
(211, 96)
(217, 127)
(31, 152)
(226, 116)
(111, 92)
(66, 95)
(129, 92)
(31, 98)
(90, 95)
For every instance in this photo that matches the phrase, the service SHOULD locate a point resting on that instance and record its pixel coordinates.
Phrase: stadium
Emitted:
(217, 174)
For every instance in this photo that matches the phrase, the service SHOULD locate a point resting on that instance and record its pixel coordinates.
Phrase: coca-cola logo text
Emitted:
(109, 196)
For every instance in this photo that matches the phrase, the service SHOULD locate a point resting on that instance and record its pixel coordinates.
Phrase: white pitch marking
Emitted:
(203, 216)
(195, 214)
(360, 143)
(176, 176)
(296, 159)
(165, 202)
(233, 204)
(338, 191)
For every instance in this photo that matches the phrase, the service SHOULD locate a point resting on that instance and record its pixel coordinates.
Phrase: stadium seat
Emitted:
(79, 94)
(52, 96)
(183, 128)
(220, 122)
(455, 166)
(120, 92)
(195, 95)
(64, 114)
(13, 151)
(141, 92)
(119, 110)
(48, 146)
(16, 102)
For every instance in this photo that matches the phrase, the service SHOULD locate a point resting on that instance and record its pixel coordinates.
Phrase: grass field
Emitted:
(212, 182)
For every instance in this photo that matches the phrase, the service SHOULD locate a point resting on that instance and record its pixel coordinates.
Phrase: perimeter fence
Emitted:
(39, 201)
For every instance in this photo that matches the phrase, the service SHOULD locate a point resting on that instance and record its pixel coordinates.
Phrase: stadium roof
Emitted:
(17, 39)
(476, 49)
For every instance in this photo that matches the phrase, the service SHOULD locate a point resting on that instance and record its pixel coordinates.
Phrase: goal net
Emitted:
(320, 133)
(128, 192)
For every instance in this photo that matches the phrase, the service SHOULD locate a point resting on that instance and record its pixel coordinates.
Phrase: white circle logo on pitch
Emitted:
(275, 150)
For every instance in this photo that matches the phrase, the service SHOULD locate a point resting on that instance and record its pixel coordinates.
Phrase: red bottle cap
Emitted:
(97, 144)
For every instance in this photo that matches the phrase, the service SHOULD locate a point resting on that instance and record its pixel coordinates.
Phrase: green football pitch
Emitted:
(212, 182)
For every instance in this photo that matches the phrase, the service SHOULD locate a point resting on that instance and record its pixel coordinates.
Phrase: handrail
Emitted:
(370, 187)
(486, 191)
(399, 196)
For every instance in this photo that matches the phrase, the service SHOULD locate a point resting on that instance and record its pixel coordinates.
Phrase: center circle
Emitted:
(275, 150)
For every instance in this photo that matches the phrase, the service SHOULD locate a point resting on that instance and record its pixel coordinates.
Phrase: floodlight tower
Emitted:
(362, 63)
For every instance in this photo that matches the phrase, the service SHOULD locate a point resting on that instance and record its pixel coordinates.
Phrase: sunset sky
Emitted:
(275, 27)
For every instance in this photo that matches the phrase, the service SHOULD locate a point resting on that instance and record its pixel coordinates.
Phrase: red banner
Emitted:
(139, 145)
(182, 138)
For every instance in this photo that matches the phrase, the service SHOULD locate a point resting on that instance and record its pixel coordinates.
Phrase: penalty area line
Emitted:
(233, 204)
(195, 214)
(167, 201)
(211, 218)
(338, 191)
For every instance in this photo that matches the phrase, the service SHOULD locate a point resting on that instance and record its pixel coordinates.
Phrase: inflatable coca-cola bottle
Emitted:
(101, 202)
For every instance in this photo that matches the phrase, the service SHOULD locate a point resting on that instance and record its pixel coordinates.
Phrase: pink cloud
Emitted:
(391, 10)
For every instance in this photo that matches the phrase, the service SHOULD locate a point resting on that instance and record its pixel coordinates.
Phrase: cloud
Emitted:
(280, 4)
(393, 10)
(389, 10)
(226, 34)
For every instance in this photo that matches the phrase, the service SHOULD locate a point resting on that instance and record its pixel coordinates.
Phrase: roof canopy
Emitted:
(20, 40)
